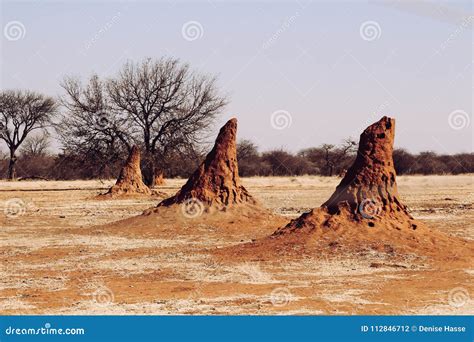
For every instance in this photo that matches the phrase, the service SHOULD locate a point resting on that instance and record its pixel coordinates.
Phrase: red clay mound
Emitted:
(367, 195)
(216, 183)
(129, 182)
(213, 201)
(365, 212)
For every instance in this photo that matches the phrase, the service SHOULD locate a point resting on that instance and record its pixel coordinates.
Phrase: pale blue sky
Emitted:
(309, 59)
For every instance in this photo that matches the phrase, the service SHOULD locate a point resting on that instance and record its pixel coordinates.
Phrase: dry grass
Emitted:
(53, 263)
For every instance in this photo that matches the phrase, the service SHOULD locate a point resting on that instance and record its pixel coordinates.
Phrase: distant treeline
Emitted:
(34, 161)
(330, 160)
(166, 108)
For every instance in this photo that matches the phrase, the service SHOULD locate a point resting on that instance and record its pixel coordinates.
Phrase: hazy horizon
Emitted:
(298, 73)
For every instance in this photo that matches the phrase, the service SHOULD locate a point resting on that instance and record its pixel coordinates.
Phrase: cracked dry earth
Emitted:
(56, 257)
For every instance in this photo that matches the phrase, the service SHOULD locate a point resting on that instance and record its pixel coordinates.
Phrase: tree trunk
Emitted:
(11, 167)
(148, 170)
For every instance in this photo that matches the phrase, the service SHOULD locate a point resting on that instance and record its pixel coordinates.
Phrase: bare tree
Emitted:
(331, 159)
(21, 113)
(168, 105)
(246, 149)
(35, 146)
(250, 161)
(88, 128)
(339, 160)
(328, 157)
(160, 105)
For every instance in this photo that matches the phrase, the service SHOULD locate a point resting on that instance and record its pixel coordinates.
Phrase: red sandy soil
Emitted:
(213, 249)
(57, 259)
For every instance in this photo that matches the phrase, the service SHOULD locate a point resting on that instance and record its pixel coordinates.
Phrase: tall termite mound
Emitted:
(372, 176)
(216, 183)
(363, 214)
(129, 181)
(367, 195)
(159, 177)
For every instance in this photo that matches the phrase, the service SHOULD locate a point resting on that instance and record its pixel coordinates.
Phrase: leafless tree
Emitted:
(21, 113)
(89, 113)
(168, 105)
(334, 156)
(246, 149)
(331, 159)
(160, 105)
(35, 146)
(250, 161)
(328, 157)
(88, 128)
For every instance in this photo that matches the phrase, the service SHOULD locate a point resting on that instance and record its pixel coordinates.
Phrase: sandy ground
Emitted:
(55, 260)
